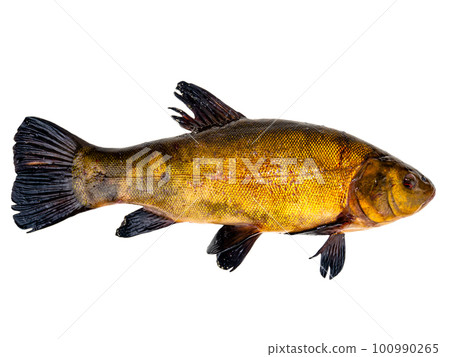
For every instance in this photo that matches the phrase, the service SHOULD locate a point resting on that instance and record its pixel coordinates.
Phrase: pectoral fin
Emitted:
(231, 244)
(142, 221)
(332, 255)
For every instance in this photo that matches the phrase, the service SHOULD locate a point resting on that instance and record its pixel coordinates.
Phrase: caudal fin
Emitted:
(43, 157)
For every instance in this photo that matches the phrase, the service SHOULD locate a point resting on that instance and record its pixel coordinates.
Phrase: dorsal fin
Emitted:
(209, 111)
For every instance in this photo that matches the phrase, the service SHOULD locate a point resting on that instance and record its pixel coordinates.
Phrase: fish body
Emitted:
(226, 190)
(251, 176)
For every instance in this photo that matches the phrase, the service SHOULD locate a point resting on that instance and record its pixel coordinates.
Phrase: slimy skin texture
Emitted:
(277, 198)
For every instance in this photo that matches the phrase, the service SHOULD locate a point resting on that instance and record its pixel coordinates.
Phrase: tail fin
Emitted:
(43, 157)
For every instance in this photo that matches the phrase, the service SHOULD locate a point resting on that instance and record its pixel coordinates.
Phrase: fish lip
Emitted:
(430, 197)
(433, 194)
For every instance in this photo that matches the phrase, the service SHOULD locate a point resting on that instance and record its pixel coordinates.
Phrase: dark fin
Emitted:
(332, 255)
(232, 244)
(43, 157)
(141, 221)
(209, 111)
(337, 226)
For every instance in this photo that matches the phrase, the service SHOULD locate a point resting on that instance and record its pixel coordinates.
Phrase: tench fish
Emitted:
(250, 176)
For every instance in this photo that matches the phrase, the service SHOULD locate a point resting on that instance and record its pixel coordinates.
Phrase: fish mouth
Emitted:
(427, 201)
(433, 193)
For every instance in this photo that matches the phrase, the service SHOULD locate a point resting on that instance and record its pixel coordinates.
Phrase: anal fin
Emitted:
(231, 245)
(332, 255)
(142, 221)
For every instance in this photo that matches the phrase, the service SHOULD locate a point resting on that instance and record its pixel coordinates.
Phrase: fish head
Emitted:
(388, 189)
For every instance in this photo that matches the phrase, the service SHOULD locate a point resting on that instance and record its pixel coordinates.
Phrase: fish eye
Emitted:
(410, 181)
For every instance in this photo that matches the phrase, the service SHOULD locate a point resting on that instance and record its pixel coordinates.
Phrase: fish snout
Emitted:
(431, 189)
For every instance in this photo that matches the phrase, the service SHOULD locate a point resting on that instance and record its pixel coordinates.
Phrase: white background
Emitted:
(75, 289)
